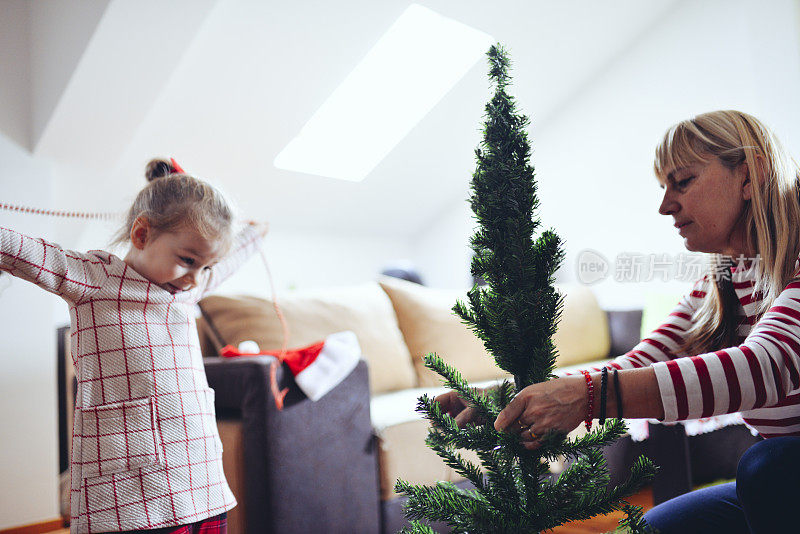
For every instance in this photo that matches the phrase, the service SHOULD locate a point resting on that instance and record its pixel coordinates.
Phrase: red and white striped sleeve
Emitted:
(71, 275)
(245, 244)
(664, 343)
(759, 373)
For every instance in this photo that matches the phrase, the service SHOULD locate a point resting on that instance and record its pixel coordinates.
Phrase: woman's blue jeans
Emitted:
(764, 499)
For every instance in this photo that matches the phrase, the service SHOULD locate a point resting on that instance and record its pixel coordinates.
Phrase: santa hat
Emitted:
(317, 368)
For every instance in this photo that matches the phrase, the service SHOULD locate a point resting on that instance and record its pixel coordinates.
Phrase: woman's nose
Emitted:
(668, 204)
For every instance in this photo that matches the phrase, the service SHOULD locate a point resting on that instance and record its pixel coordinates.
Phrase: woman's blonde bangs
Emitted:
(679, 148)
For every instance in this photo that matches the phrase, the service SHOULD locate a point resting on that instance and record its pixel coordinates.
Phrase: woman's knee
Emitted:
(768, 466)
(754, 467)
(712, 509)
(767, 484)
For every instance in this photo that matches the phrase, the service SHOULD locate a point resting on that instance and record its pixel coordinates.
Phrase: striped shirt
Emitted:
(758, 378)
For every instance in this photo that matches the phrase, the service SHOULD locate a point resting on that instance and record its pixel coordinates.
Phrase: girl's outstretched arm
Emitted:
(245, 244)
(72, 275)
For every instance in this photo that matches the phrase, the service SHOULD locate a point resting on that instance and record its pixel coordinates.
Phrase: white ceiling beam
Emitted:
(14, 72)
(60, 30)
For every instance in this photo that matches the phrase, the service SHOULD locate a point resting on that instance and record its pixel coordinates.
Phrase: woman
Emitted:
(733, 342)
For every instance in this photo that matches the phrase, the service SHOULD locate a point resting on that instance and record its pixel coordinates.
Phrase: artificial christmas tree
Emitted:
(515, 314)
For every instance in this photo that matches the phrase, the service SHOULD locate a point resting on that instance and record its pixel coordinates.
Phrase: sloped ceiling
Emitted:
(223, 85)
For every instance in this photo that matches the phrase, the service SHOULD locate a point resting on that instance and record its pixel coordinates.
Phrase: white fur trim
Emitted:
(338, 358)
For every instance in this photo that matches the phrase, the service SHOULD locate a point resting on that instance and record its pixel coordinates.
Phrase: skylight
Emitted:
(416, 62)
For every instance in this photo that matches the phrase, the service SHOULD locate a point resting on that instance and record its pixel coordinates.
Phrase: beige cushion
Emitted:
(429, 325)
(402, 453)
(364, 309)
(582, 334)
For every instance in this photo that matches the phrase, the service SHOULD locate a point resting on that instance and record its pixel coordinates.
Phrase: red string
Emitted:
(273, 368)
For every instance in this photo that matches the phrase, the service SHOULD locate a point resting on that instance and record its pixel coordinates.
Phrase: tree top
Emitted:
(499, 65)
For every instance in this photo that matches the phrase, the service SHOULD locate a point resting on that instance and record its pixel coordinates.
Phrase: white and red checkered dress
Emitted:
(145, 448)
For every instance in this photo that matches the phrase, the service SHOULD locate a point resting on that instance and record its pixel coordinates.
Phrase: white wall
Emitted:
(28, 417)
(593, 159)
(442, 252)
(307, 261)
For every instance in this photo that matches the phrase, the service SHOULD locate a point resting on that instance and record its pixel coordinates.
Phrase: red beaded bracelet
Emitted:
(590, 406)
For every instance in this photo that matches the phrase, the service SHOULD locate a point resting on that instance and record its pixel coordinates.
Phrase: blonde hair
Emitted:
(771, 218)
(173, 200)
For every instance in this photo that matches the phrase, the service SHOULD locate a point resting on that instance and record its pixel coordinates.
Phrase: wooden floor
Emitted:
(596, 525)
(606, 523)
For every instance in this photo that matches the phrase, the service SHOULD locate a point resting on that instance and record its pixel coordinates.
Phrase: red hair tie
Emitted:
(178, 169)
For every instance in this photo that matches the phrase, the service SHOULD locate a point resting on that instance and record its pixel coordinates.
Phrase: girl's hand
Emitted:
(262, 228)
(456, 407)
(558, 404)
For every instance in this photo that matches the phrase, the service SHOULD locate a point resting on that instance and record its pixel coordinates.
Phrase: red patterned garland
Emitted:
(59, 213)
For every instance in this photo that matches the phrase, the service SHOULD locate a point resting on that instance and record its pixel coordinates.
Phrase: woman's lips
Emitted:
(682, 227)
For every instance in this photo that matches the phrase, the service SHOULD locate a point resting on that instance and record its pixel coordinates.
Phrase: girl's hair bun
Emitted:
(158, 168)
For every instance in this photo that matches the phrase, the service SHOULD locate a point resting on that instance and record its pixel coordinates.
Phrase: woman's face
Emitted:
(706, 201)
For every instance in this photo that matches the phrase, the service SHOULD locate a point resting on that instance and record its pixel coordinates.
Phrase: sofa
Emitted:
(335, 462)
(330, 465)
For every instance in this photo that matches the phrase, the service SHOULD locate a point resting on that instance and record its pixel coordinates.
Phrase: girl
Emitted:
(145, 449)
(733, 342)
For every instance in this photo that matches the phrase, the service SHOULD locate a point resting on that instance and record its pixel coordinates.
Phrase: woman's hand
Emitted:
(558, 404)
(456, 407)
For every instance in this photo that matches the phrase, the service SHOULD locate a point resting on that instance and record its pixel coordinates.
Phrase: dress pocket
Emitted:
(119, 436)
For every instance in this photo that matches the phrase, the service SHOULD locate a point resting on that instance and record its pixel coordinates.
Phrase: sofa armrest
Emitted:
(311, 464)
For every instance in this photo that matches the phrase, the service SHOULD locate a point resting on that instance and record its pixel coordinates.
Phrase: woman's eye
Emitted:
(187, 261)
(683, 183)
